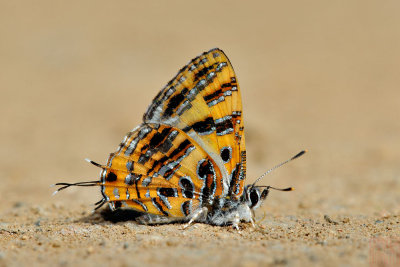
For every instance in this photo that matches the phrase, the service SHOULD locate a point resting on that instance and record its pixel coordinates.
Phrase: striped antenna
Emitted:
(96, 164)
(301, 153)
(66, 185)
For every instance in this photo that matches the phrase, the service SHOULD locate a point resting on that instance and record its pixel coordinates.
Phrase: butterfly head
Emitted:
(254, 196)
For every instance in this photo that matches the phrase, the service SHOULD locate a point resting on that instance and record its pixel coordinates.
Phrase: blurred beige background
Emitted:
(75, 76)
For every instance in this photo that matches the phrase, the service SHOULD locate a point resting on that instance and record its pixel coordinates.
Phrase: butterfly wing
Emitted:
(203, 100)
(158, 169)
(190, 148)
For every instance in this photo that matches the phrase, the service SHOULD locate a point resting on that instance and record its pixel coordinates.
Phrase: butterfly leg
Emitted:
(252, 223)
(253, 215)
(235, 222)
(195, 216)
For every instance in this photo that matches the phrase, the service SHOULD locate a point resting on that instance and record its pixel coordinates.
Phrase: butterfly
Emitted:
(187, 161)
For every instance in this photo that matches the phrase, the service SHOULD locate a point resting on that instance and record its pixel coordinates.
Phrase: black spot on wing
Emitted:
(167, 192)
(158, 137)
(186, 207)
(174, 102)
(226, 154)
(213, 95)
(204, 127)
(187, 187)
(224, 126)
(217, 93)
(204, 169)
(203, 72)
(111, 177)
(166, 144)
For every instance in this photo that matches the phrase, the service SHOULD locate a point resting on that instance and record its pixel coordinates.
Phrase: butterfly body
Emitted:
(187, 160)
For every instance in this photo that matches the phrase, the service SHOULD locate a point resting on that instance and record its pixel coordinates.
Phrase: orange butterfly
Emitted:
(187, 161)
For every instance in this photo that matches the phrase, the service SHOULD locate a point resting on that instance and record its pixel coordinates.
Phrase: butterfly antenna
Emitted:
(66, 185)
(301, 153)
(96, 164)
(275, 188)
(90, 183)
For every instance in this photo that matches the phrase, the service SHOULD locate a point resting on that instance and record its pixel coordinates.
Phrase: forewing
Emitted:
(203, 100)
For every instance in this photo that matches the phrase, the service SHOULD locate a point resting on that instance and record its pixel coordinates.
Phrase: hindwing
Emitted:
(160, 170)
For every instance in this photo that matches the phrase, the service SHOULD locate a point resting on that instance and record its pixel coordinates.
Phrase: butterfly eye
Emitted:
(254, 197)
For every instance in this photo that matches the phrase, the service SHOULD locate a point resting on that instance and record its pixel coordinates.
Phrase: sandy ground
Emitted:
(75, 77)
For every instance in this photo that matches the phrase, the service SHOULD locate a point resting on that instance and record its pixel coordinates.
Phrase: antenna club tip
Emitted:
(95, 163)
(54, 193)
(301, 153)
(291, 189)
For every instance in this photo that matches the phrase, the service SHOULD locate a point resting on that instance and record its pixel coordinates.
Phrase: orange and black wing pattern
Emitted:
(189, 150)
(159, 170)
(204, 101)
